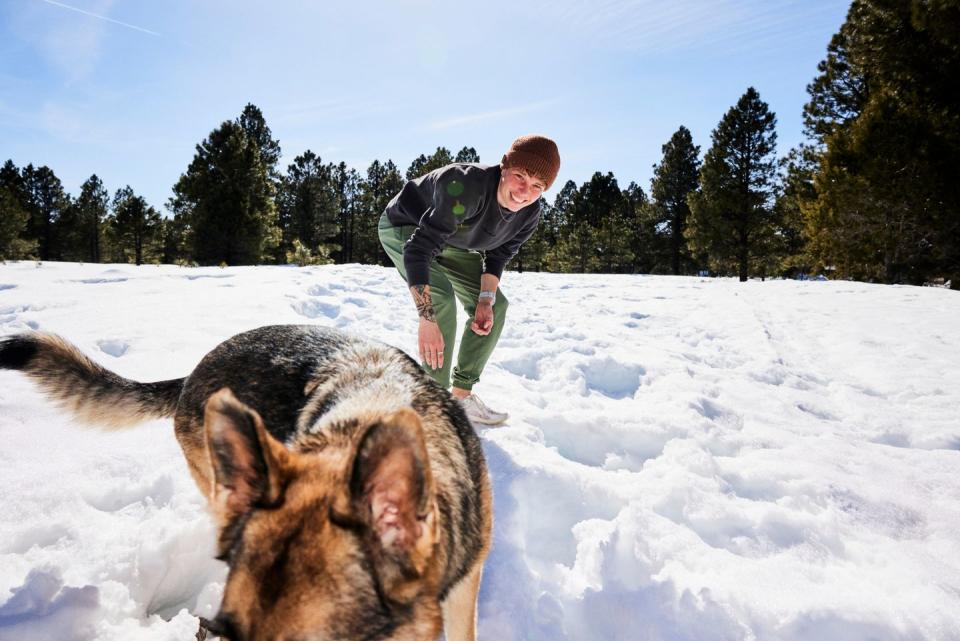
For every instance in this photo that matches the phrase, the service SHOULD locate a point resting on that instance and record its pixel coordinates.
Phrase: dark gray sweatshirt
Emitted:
(457, 205)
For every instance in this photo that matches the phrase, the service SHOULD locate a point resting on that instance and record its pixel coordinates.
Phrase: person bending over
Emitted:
(450, 233)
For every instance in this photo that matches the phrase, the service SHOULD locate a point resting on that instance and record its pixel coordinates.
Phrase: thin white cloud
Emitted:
(99, 17)
(656, 26)
(298, 115)
(470, 119)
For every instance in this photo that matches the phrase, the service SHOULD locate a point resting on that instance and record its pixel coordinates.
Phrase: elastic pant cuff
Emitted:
(463, 384)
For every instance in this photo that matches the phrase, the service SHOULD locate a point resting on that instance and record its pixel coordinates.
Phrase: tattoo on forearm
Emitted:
(421, 297)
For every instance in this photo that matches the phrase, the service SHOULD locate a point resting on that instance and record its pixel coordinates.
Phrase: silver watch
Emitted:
(487, 294)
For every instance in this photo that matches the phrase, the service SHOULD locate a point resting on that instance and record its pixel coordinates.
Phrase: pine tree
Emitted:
(255, 126)
(640, 223)
(425, 164)
(613, 232)
(227, 199)
(838, 95)
(732, 216)
(308, 206)
(674, 179)
(45, 201)
(467, 154)
(884, 116)
(135, 227)
(13, 223)
(91, 212)
(383, 181)
(587, 243)
(347, 185)
(533, 253)
(68, 232)
(554, 229)
(12, 180)
(794, 196)
(14, 216)
(175, 240)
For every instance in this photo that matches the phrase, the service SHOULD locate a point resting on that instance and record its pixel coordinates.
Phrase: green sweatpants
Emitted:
(454, 275)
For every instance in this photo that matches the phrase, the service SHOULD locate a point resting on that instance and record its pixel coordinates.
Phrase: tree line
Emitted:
(232, 206)
(871, 194)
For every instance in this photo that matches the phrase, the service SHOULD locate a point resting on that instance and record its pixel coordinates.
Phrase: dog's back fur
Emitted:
(328, 452)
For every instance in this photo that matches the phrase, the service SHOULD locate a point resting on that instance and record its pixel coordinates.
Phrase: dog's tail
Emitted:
(92, 393)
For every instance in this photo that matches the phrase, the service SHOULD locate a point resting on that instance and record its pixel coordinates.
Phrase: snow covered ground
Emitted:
(687, 459)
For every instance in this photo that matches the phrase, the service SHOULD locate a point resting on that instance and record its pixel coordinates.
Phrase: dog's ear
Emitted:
(391, 491)
(247, 461)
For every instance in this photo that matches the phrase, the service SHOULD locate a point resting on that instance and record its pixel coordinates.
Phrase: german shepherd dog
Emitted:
(350, 490)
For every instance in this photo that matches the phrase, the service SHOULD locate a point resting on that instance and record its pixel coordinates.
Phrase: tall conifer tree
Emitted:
(14, 216)
(135, 227)
(308, 206)
(591, 232)
(13, 224)
(255, 126)
(674, 179)
(347, 185)
(554, 228)
(732, 216)
(92, 210)
(227, 197)
(884, 117)
(641, 229)
(45, 201)
(383, 181)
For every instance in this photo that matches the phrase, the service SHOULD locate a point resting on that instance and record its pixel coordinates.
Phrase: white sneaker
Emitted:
(479, 414)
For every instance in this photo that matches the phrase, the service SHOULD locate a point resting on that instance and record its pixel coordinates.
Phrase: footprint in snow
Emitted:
(4, 286)
(816, 412)
(612, 378)
(199, 276)
(318, 290)
(717, 413)
(603, 446)
(43, 536)
(117, 495)
(115, 348)
(317, 308)
(526, 365)
(635, 318)
(100, 281)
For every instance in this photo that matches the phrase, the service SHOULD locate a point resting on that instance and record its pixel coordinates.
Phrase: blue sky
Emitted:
(127, 88)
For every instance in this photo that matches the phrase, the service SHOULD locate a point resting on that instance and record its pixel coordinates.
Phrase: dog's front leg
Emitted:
(460, 607)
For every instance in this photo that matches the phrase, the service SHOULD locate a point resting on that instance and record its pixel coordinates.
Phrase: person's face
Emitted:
(518, 188)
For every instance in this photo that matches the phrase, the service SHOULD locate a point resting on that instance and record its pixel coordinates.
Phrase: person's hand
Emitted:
(483, 317)
(431, 343)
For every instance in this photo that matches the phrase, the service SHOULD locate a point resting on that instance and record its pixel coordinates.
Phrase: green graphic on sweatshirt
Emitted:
(455, 188)
(459, 209)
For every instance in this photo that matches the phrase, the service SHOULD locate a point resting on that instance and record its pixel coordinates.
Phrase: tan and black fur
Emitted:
(350, 490)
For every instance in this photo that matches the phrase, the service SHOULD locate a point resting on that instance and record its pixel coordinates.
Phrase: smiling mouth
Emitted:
(516, 200)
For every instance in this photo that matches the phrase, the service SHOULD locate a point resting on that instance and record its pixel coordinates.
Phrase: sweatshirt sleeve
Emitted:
(453, 198)
(498, 257)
